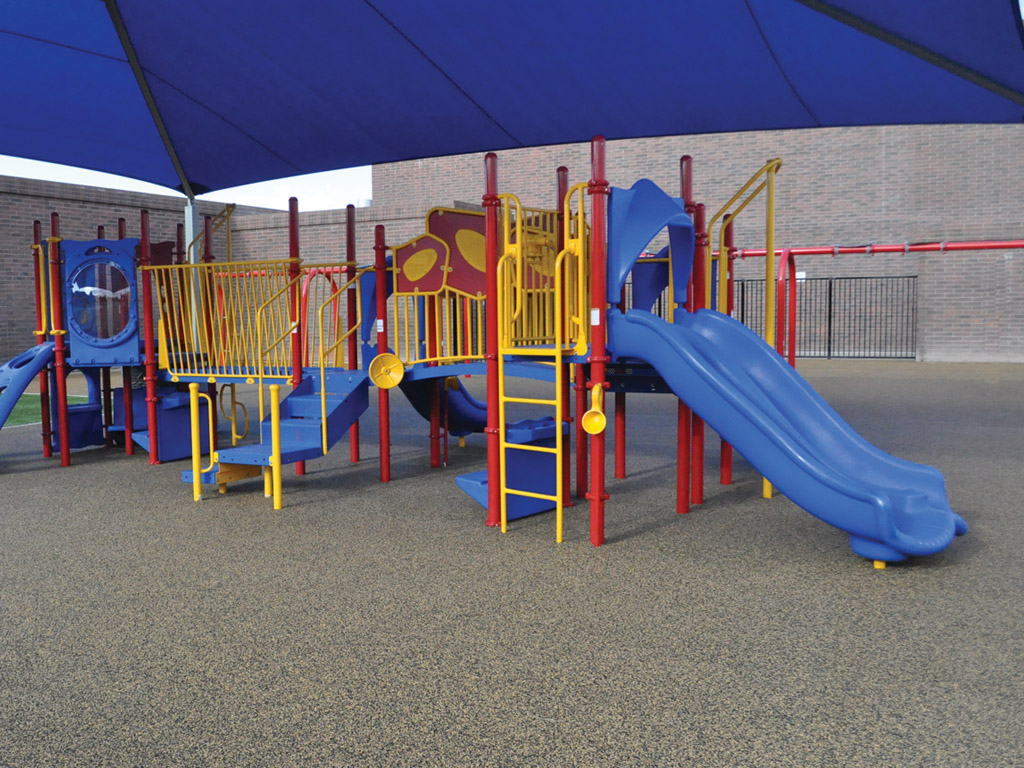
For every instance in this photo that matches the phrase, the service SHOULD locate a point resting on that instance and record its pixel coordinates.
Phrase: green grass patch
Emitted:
(26, 410)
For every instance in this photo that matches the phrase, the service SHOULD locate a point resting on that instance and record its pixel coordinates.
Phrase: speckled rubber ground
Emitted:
(370, 625)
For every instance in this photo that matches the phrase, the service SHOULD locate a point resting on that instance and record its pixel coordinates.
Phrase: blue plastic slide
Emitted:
(18, 373)
(466, 414)
(739, 385)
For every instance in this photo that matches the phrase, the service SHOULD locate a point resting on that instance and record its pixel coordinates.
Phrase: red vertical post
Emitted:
(42, 308)
(598, 189)
(562, 186)
(683, 415)
(430, 305)
(791, 299)
(59, 348)
(620, 417)
(105, 390)
(150, 345)
(435, 423)
(491, 204)
(179, 243)
(353, 341)
(699, 302)
(383, 404)
(126, 376)
(725, 457)
(582, 442)
(620, 435)
(294, 298)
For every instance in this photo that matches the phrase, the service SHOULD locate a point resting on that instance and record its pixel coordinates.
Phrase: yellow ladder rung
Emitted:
(530, 400)
(534, 448)
(532, 495)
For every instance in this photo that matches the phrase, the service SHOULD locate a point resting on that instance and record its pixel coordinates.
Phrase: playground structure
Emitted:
(509, 292)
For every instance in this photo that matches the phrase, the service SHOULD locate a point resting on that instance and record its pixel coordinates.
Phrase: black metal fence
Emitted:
(843, 316)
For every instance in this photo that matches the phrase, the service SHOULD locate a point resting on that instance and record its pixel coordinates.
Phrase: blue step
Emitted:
(524, 470)
(301, 419)
(306, 406)
(294, 432)
(258, 454)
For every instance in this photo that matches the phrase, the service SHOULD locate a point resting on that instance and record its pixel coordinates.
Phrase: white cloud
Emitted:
(315, 191)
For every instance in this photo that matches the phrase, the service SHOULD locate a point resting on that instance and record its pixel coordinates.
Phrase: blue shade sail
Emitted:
(246, 92)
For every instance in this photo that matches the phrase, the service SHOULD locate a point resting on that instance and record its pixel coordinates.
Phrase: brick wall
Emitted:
(846, 186)
(81, 210)
(849, 186)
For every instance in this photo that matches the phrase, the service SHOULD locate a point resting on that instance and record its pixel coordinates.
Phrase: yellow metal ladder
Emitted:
(544, 331)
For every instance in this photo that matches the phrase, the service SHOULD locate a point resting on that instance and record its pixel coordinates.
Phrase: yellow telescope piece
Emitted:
(594, 420)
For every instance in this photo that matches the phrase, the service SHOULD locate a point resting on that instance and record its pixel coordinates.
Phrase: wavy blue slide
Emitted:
(739, 385)
(17, 374)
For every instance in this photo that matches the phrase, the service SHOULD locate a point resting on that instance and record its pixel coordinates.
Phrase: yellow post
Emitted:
(275, 441)
(193, 402)
(769, 282)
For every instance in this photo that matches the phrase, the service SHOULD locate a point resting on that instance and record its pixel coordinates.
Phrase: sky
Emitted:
(315, 191)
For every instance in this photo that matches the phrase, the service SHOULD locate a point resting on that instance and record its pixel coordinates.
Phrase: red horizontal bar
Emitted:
(838, 250)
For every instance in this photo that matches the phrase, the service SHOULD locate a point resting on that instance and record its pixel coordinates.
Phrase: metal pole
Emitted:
(383, 404)
(725, 457)
(684, 424)
(620, 418)
(42, 311)
(598, 189)
(491, 204)
(59, 349)
(294, 269)
(150, 344)
(353, 341)
(700, 299)
(562, 187)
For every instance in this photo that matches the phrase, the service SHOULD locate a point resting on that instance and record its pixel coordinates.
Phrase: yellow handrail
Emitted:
(513, 247)
(197, 456)
(264, 351)
(208, 312)
(577, 242)
(232, 415)
(54, 242)
(769, 170)
(44, 306)
(324, 351)
(222, 217)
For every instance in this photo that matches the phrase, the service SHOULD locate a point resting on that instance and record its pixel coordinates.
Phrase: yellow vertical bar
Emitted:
(559, 405)
(708, 257)
(769, 262)
(193, 405)
(275, 444)
(723, 269)
(769, 285)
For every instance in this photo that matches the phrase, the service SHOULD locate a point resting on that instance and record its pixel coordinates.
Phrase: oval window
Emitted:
(101, 301)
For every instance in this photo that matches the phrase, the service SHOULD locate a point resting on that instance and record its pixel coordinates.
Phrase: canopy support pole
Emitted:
(154, 111)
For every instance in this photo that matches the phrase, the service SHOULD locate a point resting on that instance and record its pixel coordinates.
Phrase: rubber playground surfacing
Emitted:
(370, 625)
